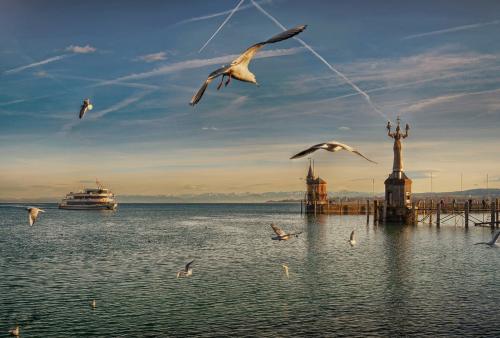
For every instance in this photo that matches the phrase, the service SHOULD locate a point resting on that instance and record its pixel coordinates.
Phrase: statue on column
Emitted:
(397, 166)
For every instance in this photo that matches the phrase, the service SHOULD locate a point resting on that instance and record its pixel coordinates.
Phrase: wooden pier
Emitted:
(425, 211)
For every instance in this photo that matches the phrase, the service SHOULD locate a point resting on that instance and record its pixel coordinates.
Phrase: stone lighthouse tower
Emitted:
(397, 185)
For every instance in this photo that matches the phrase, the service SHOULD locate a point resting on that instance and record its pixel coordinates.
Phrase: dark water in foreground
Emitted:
(397, 281)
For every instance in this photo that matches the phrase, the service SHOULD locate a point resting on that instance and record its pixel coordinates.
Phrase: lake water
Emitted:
(396, 281)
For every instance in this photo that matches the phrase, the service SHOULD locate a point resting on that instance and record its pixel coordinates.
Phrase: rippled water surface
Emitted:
(396, 281)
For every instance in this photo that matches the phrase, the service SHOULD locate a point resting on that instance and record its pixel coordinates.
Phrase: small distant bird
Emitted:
(14, 331)
(285, 269)
(93, 304)
(281, 235)
(331, 146)
(352, 240)
(85, 106)
(33, 214)
(493, 239)
(238, 69)
(188, 271)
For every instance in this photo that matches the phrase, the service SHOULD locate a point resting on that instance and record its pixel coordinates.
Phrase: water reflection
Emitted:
(398, 272)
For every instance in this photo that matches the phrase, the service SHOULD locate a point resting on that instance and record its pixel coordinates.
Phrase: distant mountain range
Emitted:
(282, 196)
(286, 196)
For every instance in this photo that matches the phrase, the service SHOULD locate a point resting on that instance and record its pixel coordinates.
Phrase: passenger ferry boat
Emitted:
(99, 198)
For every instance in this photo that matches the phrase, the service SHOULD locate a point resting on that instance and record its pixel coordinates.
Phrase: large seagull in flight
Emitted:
(331, 146)
(238, 69)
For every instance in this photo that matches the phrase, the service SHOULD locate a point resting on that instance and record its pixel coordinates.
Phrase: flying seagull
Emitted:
(188, 271)
(493, 239)
(33, 214)
(14, 331)
(352, 239)
(285, 269)
(331, 146)
(85, 106)
(281, 235)
(238, 69)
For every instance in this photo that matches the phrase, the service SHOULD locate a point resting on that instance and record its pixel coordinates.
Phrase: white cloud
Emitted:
(81, 49)
(344, 128)
(41, 73)
(426, 103)
(198, 63)
(154, 57)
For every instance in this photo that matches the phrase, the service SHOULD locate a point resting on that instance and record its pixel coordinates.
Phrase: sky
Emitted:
(434, 63)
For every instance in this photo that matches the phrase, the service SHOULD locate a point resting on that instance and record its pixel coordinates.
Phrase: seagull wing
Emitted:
(197, 97)
(188, 265)
(277, 230)
(83, 110)
(247, 55)
(495, 237)
(352, 236)
(33, 214)
(351, 149)
(309, 150)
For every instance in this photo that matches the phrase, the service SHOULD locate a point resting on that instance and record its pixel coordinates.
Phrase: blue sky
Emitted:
(435, 63)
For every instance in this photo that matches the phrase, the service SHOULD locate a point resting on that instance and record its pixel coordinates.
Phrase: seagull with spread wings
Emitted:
(188, 270)
(238, 69)
(331, 146)
(352, 239)
(85, 106)
(493, 239)
(33, 214)
(281, 235)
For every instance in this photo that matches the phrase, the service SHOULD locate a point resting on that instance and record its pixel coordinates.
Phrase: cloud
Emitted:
(422, 174)
(452, 29)
(36, 64)
(81, 49)
(198, 63)
(426, 103)
(209, 128)
(41, 73)
(344, 128)
(154, 57)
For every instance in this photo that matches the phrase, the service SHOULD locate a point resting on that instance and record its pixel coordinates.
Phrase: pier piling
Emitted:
(466, 214)
(438, 215)
(496, 207)
(493, 213)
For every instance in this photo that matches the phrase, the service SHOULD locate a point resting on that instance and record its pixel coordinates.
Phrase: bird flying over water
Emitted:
(331, 146)
(85, 106)
(493, 239)
(238, 69)
(14, 331)
(281, 235)
(33, 214)
(188, 271)
(352, 239)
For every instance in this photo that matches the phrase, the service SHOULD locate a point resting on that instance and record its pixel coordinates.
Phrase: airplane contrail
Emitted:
(38, 63)
(222, 25)
(452, 29)
(345, 78)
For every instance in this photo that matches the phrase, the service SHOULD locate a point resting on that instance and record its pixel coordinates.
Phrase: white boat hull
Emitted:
(108, 206)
